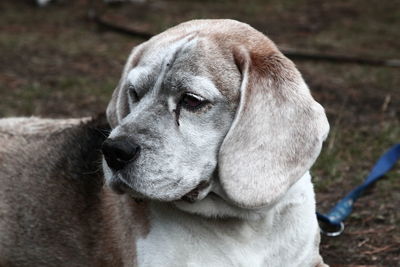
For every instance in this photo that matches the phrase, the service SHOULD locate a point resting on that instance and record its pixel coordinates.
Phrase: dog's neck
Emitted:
(277, 238)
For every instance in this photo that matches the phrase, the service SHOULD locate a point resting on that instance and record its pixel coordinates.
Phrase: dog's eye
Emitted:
(133, 94)
(192, 102)
(189, 102)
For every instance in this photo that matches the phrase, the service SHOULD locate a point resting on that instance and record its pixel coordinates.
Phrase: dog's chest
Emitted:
(172, 245)
(189, 244)
(286, 236)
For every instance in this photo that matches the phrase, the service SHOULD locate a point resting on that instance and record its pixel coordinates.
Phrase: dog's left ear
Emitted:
(277, 133)
(118, 107)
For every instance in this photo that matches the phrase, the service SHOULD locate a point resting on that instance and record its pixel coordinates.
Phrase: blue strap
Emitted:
(343, 208)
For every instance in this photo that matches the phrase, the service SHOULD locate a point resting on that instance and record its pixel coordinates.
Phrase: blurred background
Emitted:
(56, 61)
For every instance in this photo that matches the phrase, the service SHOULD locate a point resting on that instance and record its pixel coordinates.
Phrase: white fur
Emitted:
(280, 236)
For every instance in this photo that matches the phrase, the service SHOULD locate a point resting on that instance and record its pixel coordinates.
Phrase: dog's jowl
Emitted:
(213, 132)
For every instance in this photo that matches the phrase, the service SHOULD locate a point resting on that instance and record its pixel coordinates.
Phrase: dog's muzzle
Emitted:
(119, 152)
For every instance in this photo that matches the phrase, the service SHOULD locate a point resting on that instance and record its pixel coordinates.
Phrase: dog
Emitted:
(213, 132)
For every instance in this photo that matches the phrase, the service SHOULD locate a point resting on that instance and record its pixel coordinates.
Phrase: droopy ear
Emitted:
(118, 107)
(276, 135)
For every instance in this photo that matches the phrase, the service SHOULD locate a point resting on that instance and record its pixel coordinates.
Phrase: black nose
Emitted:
(118, 152)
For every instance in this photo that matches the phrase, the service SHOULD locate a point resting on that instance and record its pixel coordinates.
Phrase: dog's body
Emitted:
(214, 129)
(54, 209)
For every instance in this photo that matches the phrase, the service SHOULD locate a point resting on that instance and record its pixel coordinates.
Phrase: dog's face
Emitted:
(177, 116)
(211, 106)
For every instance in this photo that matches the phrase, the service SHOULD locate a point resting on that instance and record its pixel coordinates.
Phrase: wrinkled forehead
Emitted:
(183, 60)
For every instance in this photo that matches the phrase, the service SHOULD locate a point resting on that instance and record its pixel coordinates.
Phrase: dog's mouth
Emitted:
(195, 194)
(198, 193)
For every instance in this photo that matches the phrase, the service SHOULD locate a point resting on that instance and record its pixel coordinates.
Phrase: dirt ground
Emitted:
(57, 63)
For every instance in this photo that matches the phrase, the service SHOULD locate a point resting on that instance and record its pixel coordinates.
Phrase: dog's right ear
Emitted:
(277, 133)
(118, 107)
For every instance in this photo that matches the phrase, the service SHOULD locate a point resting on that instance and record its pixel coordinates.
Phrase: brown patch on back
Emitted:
(54, 209)
(49, 185)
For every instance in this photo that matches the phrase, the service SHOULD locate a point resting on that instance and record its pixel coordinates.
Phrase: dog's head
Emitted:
(211, 106)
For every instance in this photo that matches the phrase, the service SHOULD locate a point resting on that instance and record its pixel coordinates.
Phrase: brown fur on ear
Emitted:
(277, 133)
